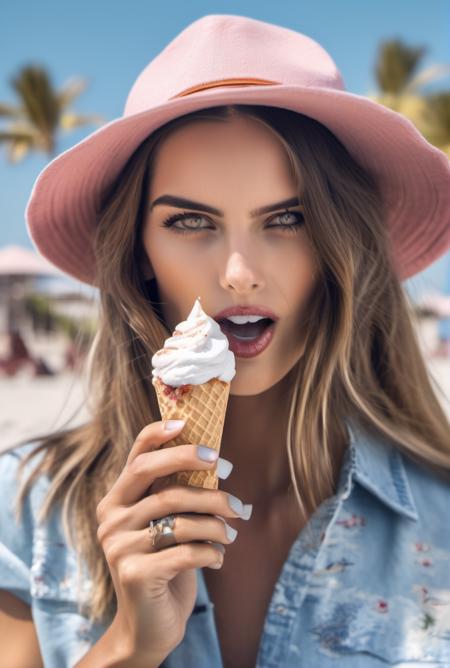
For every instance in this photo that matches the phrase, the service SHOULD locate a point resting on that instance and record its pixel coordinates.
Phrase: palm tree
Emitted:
(41, 111)
(400, 84)
(436, 121)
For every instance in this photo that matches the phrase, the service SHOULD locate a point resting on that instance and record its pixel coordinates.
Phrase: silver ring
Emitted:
(161, 532)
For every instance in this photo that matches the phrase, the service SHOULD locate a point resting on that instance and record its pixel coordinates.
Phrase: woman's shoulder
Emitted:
(10, 461)
(11, 456)
(12, 475)
(19, 450)
(37, 546)
(38, 565)
(17, 532)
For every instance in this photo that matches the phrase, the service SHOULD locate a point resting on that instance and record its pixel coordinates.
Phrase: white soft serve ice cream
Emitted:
(196, 352)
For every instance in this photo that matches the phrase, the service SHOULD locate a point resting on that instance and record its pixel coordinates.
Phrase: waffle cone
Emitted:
(203, 407)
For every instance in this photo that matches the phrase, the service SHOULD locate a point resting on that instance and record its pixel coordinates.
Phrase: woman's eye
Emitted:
(171, 220)
(296, 216)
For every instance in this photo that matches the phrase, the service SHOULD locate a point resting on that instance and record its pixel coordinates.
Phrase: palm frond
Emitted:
(10, 110)
(70, 91)
(18, 150)
(41, 112)
(396, 65)
(36, 93)
(427, 75)
(70, 120)
(14, 135)
(437, 118)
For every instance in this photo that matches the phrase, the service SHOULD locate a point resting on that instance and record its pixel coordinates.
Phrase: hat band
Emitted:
(243, 81)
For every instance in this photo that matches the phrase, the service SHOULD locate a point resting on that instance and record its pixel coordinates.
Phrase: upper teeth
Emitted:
(242, 319)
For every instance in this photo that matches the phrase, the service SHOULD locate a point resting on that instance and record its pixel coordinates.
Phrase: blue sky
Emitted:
(110, 43)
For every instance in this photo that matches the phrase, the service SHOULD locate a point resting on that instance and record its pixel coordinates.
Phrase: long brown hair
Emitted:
(361, 359)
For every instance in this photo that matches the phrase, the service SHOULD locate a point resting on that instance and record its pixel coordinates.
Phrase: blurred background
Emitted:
(66, 69)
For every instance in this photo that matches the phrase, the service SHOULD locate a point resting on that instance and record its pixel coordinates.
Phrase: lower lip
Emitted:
(252, 347)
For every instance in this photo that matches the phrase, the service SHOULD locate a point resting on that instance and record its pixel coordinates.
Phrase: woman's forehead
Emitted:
(204, 156)
(245, 139)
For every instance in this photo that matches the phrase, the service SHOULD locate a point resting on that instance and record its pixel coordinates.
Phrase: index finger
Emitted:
(153, 436)
(135, 480)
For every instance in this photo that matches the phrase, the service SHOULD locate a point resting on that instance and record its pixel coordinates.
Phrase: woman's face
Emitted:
(237, 258)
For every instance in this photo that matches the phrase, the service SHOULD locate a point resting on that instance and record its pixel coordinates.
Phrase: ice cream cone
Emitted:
(203, 407)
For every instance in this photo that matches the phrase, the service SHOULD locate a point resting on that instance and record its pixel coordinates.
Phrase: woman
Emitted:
(339, 444)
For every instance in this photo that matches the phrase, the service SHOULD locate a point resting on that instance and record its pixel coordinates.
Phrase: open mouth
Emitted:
(250, 339)
(247, 332)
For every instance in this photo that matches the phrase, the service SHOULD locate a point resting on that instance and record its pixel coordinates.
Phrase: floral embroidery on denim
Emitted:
(427, 555)
(353, 521)
(39, 588)
(435, 605)
(52, 575)
(39, 584)
(382, 606)
(66, 585)
(395, 629)
(335, 566)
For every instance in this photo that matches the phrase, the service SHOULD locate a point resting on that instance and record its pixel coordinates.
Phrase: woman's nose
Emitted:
(241, 275)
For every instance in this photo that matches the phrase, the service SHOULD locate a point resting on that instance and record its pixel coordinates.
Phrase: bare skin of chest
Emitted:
(242, 589)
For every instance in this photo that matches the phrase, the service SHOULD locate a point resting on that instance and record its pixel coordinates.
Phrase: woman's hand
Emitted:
(156, 589)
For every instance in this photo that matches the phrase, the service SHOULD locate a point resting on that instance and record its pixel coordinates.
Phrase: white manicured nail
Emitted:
(173, 424)
(224, 468)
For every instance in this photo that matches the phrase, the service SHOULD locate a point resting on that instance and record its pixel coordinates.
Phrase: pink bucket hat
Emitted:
(222, 59)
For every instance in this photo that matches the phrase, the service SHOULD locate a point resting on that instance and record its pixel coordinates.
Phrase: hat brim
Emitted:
(413, 175)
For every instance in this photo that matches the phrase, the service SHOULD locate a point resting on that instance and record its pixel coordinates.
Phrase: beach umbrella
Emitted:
(19, 267)
(439, 304)
(16, 261)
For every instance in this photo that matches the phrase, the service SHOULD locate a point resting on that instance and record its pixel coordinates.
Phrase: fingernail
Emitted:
(235, 504)
(224, 468)
(218, 564)
(231, 533)
(173, 424)
(207, 454)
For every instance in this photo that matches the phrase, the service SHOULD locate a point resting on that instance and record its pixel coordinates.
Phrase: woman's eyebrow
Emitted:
(183, 203)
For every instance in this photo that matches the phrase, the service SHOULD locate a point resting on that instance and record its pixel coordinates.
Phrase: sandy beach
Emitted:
(31, 406)
(34, 405)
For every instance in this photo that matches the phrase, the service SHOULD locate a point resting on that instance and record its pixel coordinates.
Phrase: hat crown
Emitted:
(224, 49)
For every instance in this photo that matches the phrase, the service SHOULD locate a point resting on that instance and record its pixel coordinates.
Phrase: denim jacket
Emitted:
(366, 582)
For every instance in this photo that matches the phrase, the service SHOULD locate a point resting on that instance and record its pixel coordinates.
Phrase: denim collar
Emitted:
(376, 464)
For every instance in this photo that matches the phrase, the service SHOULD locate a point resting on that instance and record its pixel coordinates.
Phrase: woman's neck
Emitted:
(254, 440)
